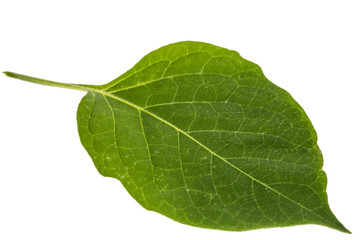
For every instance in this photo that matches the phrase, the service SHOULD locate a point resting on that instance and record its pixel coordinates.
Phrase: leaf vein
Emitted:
(210, 151)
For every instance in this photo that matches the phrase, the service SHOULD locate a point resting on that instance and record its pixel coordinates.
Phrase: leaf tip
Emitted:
(340, 227)
(345, 230)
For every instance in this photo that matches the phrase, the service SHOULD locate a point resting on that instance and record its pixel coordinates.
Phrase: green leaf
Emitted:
(197, 133)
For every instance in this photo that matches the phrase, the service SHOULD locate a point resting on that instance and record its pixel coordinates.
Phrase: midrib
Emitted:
(209, 150)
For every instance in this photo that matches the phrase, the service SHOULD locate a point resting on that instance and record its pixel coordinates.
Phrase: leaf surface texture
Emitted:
(197, 133)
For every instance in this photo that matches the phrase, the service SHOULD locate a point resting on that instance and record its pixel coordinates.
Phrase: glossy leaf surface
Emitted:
(197, 133)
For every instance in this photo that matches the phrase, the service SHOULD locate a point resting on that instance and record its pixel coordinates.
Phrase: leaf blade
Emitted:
(156, 99)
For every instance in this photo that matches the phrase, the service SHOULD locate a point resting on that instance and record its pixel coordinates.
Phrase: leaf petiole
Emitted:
(48, 82)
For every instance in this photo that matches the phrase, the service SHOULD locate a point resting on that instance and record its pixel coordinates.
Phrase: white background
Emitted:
(49, 188)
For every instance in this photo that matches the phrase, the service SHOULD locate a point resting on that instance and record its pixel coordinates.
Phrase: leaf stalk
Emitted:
(47, 82)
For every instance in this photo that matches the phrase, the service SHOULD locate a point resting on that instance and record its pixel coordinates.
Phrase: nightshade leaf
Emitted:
(199, 134)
